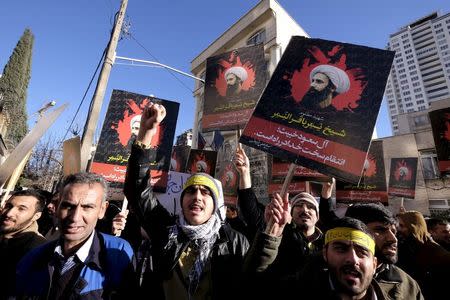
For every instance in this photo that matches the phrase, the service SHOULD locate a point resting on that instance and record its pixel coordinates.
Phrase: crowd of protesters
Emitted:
(66, 246)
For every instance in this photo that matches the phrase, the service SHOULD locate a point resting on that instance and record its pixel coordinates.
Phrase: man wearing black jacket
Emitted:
(382, 224)
(301, 238)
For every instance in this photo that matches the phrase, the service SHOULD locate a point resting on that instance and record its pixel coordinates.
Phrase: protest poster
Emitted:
(120, 129)
(320, 106)
(234, 82)
(402, 177)
(280, 169)
(229, 177)
(202, 161)
(440, 124)
(372, 187)
(225, 169)
(170, 199)
(179, 158)
(295, 187)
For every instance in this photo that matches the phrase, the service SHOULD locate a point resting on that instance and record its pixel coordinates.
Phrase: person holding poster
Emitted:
(344, 270)
(301, 238)
(383, 226)
(320, 106)
(196, 255)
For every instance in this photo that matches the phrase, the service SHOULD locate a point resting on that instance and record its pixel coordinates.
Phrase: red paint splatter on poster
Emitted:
(123, 126)
(234, 61)
(300, 81)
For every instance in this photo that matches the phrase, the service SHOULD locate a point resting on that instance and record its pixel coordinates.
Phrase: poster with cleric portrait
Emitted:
(202, 161)
(179, 158)
(402, 177)
(120, 129)
(440, 124)
(234, 82)
(372, 187)
(320, 106)
(280, 167)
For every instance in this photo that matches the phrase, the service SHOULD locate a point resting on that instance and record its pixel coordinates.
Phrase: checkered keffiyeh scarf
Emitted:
(202, 239)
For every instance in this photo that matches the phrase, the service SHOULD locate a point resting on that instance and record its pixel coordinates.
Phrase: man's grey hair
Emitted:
(85, 178)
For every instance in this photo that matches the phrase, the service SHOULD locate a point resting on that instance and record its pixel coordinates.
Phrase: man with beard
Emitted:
(235, 76)
(344, 270)
(326, 83)
(382, 224)
(201, 166)
(135, 122)
(18, 233)
(301, 238)
(440, 231)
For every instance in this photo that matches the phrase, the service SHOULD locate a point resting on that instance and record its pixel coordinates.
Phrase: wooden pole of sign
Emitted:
(288, 179)
(238, 136)
(124, 208)
(284, 190)
(308, 187)
(402, 208)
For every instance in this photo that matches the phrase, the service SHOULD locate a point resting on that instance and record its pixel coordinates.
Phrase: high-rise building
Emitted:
(420, 73)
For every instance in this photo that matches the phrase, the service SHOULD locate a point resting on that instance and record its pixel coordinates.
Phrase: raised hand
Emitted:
(327, 188)
(119, 221)
(277, 214)
(242, 164)
(152, 116)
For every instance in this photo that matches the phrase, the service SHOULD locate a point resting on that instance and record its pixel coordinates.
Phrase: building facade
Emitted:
(420, 73)
(184, 139)
(267, 23)
(432, 193)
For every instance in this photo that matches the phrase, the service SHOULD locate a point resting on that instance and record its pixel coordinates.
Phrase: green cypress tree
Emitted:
(14, 85)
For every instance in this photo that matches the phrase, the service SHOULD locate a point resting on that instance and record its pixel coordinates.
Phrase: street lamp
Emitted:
(158, 64)
(41, 111)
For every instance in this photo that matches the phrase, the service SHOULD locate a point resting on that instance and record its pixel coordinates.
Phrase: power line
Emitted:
(84, 96)
(170, 72)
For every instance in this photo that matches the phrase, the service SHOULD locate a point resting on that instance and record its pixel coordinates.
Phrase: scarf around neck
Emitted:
(202, 238)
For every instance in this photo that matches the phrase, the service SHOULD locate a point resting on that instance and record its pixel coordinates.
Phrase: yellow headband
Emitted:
(350, 234)
(202, 180)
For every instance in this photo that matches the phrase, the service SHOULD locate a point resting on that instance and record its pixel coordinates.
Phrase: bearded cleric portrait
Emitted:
(235, 77)
(120, 129)
(234, 82)
(320, 106)
(327, 81)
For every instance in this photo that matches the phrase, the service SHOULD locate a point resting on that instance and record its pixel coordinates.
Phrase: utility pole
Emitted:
(93, 114)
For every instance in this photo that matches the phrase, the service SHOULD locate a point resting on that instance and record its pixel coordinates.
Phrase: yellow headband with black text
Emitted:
(350, 234)
(201, 179)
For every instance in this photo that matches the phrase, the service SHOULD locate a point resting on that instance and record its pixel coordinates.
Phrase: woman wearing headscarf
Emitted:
(422, 258)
